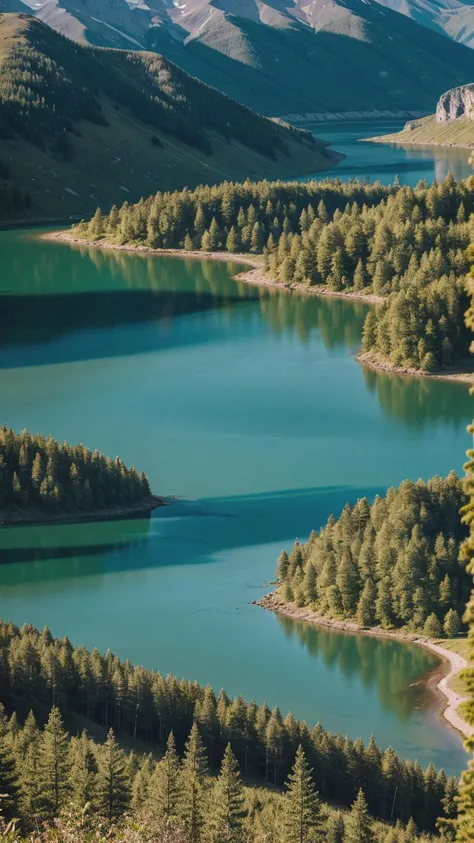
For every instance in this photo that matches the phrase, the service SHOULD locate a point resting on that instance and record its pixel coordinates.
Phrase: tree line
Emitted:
(77, 789)
(405, 244)
(393, 563)
(42, 672)
(39, 474)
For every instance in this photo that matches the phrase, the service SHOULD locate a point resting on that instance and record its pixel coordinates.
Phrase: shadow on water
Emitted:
(216, 525)
(374, 662)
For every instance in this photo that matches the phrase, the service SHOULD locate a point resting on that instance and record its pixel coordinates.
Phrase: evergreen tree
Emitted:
(302, 808)
(359, 826)
(53, 765)
(8, 773)
(164, 787)
(113, 785)
(193, 770)
(227, 813)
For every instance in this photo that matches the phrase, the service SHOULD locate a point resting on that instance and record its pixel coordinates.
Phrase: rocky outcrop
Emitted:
(456, 103)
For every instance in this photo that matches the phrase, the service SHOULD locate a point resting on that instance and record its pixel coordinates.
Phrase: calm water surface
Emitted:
(248, 404)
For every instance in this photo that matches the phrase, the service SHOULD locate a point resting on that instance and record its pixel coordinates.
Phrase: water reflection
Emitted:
(376, 662)
(419, 402)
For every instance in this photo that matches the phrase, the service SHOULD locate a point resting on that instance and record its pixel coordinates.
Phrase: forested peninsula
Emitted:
(41, 480)
(405, 246)
(394, 563)
(51, 773)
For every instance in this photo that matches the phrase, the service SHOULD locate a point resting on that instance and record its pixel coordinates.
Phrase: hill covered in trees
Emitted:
(41, 478)
(81, 126)
(44, 772)
(405, 244)
(281, 58)
(393, 563)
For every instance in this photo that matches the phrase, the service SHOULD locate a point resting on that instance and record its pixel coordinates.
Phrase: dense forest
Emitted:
(37, 474)
(78, 790)
(39, 672)
(394, 563)
(406, 245)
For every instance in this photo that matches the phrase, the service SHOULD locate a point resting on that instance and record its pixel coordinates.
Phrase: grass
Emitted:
(459, 646)
(427, 131)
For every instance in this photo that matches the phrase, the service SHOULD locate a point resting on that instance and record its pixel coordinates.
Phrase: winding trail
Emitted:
(457, 663)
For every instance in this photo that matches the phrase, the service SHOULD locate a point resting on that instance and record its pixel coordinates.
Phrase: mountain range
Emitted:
(286, 56)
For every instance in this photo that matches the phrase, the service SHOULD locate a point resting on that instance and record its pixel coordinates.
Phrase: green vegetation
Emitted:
(80, 124)
(464, 826)
(394, 563)
(458, 132)
(40, 477)
(407, 244)
(39, 672)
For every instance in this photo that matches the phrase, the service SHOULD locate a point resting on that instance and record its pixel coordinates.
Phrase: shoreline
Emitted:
(371, 361)
(112, 513)
(256, 275)
(454, 661)
(395, 140)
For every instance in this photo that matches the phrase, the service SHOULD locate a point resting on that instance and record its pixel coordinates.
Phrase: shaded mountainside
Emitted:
(453, 18)
(452, 125)
(81, 126)
(282, 57)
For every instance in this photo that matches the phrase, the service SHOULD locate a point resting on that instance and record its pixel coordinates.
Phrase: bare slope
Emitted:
(282, 56)
(84, 126)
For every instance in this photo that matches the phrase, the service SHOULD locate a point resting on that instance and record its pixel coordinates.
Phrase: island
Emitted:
(41, 480)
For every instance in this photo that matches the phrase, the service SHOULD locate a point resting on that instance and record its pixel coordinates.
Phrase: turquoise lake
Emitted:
(248, 404)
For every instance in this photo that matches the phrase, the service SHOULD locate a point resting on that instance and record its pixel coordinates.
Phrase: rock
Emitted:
(456, 103)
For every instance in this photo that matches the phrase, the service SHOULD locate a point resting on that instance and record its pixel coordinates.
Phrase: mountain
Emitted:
(453, 18)
(451, 125)
(82, 126)
(281, 56)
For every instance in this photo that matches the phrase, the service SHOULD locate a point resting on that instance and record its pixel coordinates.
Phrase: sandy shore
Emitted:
(456, 373)
(452, 663)
(108, 514)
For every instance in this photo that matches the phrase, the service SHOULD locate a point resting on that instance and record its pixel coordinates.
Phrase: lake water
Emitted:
(249, 405)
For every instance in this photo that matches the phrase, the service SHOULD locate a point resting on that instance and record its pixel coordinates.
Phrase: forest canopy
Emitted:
(404, 245)
(38, 475)
(44, 773)
(393, 563)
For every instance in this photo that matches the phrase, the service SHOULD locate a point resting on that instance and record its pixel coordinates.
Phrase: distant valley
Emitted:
(285, 57)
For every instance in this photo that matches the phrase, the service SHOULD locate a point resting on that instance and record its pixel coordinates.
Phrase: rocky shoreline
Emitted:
(452, 663)
(370, 360)
(133, 510)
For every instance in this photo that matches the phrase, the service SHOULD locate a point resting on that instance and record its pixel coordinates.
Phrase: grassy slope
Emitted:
(119, 161)
(458, 133)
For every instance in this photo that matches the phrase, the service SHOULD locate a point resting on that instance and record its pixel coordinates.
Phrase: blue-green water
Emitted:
(248, 404)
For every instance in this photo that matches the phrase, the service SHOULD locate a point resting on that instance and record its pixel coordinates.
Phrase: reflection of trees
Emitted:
(418, 401)
(338, 322)
(386, 664)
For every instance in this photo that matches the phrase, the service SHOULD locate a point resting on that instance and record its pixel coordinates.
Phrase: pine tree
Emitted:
(227, 812)
(83, 772)
(432, 627)
(164, 789)
(8, 773)
(193, 770)
(113, 785)
(359, 826)
(53, 765)
(452, 623)
(335, 832)
(302, 807)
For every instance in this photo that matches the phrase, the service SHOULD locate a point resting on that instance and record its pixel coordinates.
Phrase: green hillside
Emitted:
(427, 131)
(82, 126)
